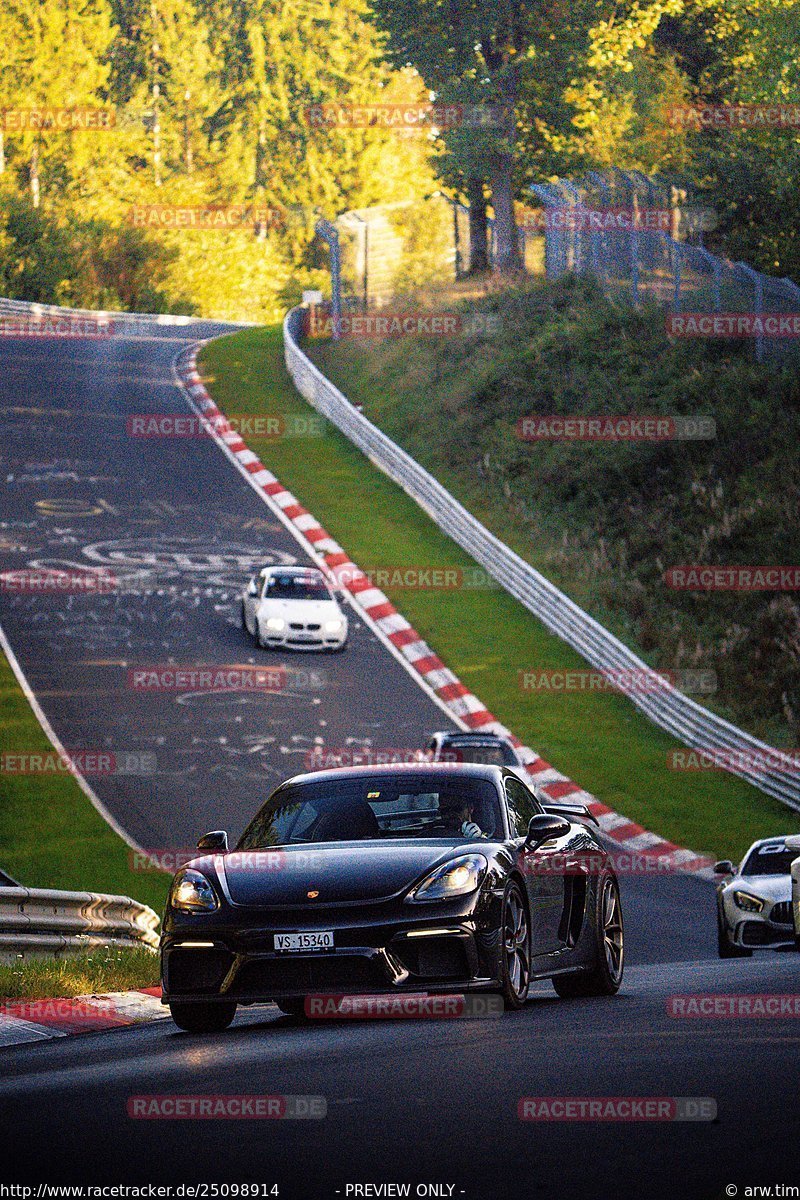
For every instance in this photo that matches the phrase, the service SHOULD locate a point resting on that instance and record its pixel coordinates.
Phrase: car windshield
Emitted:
(372, 808)
(493, 754)
(296, 587)
(770, 860)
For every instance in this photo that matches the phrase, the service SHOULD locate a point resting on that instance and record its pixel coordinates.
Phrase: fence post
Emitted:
(758, 304)
(716, 266)
(717, 284)
(676, 277)
(330, 234)
(456, 237)
(599, 240)
(542, 191)
(575, 196)
(635, 264)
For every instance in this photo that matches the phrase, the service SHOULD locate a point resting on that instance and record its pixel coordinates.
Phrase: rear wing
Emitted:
(567, 808)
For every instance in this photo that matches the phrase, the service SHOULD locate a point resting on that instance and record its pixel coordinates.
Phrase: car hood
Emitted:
(338, 871)
(767, 887)
(300, 610)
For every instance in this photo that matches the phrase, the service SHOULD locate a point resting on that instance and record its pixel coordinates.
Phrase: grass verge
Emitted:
(102, 969)
(484, 635)
(606, 520)
(51, 836)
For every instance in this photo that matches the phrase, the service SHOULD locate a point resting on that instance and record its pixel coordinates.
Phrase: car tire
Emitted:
(515, 948)
(605, 977)
(293, 1007)
(725, 947)
(202, 1018)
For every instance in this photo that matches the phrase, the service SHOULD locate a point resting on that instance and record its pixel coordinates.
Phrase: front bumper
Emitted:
(291, 639)
(751, 930)
(419, 952)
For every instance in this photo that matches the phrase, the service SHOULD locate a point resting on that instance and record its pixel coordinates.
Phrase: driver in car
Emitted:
(458, 814)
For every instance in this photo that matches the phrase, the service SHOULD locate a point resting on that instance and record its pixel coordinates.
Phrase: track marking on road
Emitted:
(252, 478)
(38, 712)
(396, 634)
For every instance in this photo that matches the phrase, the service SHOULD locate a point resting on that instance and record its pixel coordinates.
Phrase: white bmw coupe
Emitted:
(293, 607)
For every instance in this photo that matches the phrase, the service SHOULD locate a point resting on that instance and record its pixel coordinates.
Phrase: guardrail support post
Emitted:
(330, 234)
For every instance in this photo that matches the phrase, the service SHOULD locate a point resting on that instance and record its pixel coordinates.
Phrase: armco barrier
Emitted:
(40, 921)
(668, 708)
(123, 322)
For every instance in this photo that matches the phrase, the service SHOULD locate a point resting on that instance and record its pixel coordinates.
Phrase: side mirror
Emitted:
(725, 867)
(217, 841)
(544, 827)
(793, 842)
(252, 588)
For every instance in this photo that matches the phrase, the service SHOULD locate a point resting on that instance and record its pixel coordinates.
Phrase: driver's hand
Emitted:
(471, 830)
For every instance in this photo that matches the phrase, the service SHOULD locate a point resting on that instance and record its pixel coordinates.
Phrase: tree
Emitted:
(476, 55)
(280, 63)
(54, 57)
(165, 75)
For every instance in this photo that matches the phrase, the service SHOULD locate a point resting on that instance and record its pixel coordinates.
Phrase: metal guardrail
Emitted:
(41, 921)
(117, 319)
(640, 264)
(766, 768)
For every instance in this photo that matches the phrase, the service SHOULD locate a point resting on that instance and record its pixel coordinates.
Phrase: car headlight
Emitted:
(192, 892)
(334, 626)
(458, 877)
(747, 902)
(276, 624)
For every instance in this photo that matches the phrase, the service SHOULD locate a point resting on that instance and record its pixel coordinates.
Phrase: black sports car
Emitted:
(376, 880)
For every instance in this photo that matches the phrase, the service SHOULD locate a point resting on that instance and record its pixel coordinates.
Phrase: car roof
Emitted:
(299, 571)
(469, 735)
(770, 841)
(474, 770)
(779, 841)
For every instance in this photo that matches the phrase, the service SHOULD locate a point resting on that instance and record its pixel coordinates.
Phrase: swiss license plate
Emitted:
(318, 939)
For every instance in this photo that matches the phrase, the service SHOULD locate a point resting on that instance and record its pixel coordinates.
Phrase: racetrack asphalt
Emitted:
(417, 1101)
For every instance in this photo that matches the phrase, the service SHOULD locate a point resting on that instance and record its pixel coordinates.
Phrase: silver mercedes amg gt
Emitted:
(754, 900)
